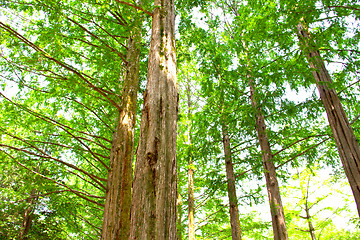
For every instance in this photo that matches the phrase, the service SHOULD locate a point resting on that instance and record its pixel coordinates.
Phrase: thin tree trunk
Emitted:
(25, 226)
(307, 211)
(346, 143)
(308, 219)
(153, 211)
(179, 218)
(276, 208)
(191, 198)
(234, 212)
(191, 201)
(116, 220)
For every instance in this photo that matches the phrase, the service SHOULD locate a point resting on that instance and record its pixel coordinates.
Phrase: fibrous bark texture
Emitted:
(153, 211)
(116, 221)
(344, 136)
(276, 208)
(234, 212)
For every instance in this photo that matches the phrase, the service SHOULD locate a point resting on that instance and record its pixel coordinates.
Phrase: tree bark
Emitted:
(276, 208)
(179, 218)
(191, 198)
(308, 219)
(234, 212)
(26, 224)
(345, 139)
(116, 220)
(153, 211)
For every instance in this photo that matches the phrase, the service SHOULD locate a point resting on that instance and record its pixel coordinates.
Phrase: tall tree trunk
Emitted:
(234, 212)
(116, 220)
(191, 198)
(179, 218)
(276, 208)
(26, 224)
(346, 143)
(153, 211)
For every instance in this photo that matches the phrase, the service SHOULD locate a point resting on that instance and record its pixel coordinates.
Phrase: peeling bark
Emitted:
(345, 139)
(276, 208)
(116, 220)
(234, 212)
(153, 211)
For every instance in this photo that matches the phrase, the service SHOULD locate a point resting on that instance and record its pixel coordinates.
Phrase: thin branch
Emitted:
(136, 7)
(299, 154)
(303, 139)
(345, 7)
(82, 195)
(64, 65)
(60, 125)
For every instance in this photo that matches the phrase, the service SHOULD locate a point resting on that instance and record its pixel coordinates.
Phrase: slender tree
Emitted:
(116, 220)
(272, 185)
(231, 189)
(345, 139)
(191, 197)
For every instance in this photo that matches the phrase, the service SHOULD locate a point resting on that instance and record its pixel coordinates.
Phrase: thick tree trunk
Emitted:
(276, 208)
(116, 221)
(153, 211)
(346, 143)
(25, 226)
(234, 212)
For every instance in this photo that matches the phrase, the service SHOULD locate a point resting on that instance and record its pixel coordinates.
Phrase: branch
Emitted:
(134, 6)
(82, 195)
(346, 7)
(122, 56)
(64, 65)
(299, 154)
(320, 135)
(60, 125)
(93, 177)
(340, 50)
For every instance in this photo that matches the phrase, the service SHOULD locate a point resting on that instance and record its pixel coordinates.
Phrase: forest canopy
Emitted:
(182, 119)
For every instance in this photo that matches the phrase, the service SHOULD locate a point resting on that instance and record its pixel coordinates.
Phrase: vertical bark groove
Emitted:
(234, 211)
(116, 220)
(276, 208)
(345, 139)
(153, 210)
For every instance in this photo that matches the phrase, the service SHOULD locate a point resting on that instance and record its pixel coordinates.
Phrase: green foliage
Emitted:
(61, 68)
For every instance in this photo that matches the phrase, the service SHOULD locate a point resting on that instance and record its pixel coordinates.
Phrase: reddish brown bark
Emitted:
(234, 212)
(116, 220)
(272, 185)
(153, 212)
(344, 136)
